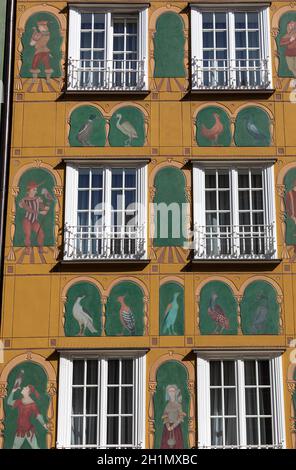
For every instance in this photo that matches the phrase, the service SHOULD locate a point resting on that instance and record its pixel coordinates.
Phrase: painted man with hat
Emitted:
(39, 40)
(34, 206)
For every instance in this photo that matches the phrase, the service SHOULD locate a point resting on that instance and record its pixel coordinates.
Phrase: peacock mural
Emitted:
(260, 309)
(171, 309)
(252, 128)
(127, 128)
(83, 310)
(217, 310)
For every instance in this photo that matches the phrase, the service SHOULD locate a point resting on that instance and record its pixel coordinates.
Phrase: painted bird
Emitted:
(86, 130)
(127, 129)
(19, 379)
(170, 316)
(83, 318)
(214, 132)
(217, 314)
(254, 132)
(46, 194)
(260, 314)
(126, 316)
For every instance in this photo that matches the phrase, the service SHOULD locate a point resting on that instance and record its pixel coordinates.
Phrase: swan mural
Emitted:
(127, 128)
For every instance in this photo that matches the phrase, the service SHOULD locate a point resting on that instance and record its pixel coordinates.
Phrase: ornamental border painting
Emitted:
(41, 49)
(83, 310)
(259, 308)
(217, 310)
(26, 407)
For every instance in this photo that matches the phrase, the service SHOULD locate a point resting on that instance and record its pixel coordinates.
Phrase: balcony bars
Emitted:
(116, 75)
(234, 242)
(230, 74)
(102, 242)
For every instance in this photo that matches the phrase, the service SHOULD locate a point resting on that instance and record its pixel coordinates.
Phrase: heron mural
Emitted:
(127, 128)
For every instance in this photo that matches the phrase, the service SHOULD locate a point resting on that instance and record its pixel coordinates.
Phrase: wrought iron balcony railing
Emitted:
(240, 74)
(104, 75)
(100, 242)
(234, 242)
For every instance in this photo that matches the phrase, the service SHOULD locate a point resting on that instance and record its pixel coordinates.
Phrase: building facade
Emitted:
(148, 294)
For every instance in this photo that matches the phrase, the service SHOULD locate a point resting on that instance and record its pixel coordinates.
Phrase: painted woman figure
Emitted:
(289, 41)
(27, 409)
(173, 416)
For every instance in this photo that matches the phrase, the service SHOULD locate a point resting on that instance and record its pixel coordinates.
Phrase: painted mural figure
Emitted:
(39, 41)
(34, 206)
(86, 130)
(173, 416)
(291, 211)
(82, 317)
(261, 314)
(170, 316)
(289, 40)
(126, 315)
(213, 133)
(217, 314)
(127, 129)
(27, 408)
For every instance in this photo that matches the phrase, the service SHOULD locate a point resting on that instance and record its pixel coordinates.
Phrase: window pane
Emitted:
(130, 179)
(263, 372)
(113, 400)
(244, 218)
(240, 39)
(229, 401)
(253, 21)
(230, 431)
(223, 181)
(253, 38)
(250, 373)
(252, 431)
(229, 372)
(216, 402)
(127, 430)
(78, 372)
(127, 371)
(221, 40)
(77, 401)
(240, 22)
(266, 430)
(92, 372)
(77, 431)
(83, 200)
(97, 180)
(85, 40)
(224, 201)
(210, 181)
(113, 371)
(243, 180)
(207, 20)
(244, 203)
(99, 40)
(211, 200)
(130, 198)
(126, 400)
(265, 401)
(99, 21)
(116, 179)
(220, 20)
(257, 200)
(215, 373)
(112, 430)
(91, 430)
(216, 431)
(251, 401)
(208, 39)
(83, 179)
(118, 27)
(86, 21)
(91, 400)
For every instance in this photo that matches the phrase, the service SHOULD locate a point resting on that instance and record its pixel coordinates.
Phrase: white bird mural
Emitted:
(82, 317)
(127, 129)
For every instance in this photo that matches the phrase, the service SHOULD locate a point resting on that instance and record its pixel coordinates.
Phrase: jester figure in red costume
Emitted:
(27, 409)
(290, 202)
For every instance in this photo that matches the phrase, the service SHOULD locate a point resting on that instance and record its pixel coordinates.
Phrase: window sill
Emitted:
(69, 92)
(236, 262)
(233, 91)
(101, 261)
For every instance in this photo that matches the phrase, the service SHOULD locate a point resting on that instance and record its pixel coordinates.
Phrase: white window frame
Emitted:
(199, 169)
(120, 9)
(65, 394)
(203, 395)
(197, 39)
(71, 192)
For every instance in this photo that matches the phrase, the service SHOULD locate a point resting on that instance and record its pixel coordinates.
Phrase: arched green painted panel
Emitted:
(87, 127)
(290, 206)
(217, 310)
(213, 127)
(171, 309)
(286, 45)
(41, 41)
(294, 393)
(125, 310)
(171, 406)
(260, 309)
(170, 208)
(169, 43)
(83, 310)
(127, 128)
(252, 128)
(35, 210)
(26, 399)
